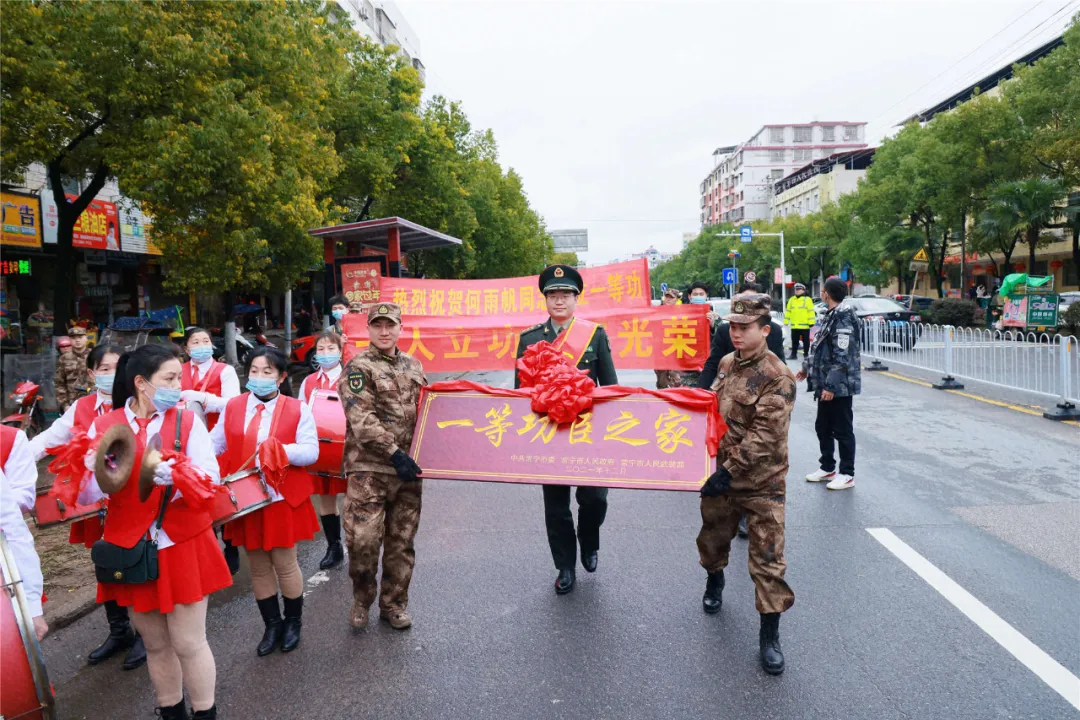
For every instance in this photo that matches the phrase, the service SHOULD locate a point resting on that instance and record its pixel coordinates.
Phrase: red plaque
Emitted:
(638, 441)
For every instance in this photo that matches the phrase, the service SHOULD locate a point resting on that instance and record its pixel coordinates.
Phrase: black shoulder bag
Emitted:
(138, 564)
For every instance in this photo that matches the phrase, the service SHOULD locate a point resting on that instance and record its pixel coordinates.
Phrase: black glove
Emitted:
(406, 468)
(717, 484)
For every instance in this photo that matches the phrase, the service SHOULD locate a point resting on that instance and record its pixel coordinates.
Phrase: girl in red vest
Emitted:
(101, 366)
(205, 380)
(170, 612)
(328, 355)
(262, 423)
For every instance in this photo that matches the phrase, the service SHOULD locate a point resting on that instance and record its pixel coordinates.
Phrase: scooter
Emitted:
(30, 418)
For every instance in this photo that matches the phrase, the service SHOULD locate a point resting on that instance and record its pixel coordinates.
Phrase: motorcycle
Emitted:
(30, 418)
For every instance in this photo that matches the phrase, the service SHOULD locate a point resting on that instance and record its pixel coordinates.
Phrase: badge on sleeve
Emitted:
(355, 381)
(842, 341)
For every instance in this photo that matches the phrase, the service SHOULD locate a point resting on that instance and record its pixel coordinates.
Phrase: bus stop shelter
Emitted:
(389, 238)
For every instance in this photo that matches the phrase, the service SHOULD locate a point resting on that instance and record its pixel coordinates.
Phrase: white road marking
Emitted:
(1049, 670)
(317, 579)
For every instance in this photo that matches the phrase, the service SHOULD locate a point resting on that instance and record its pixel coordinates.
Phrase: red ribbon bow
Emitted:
(560, 389)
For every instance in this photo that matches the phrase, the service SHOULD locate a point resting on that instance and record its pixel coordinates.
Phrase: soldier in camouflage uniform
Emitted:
(756, 393)
(71, 380)
(380, 390)
(834, 371)
(669, 378)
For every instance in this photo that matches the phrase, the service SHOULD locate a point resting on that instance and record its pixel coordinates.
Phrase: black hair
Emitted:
(749, 287)
(277, 360)
(695, 286)
(764, 321)
(337, 300)
(98, 353)
(836, 288)
(332, 337)
(142, 361)
(189, 332)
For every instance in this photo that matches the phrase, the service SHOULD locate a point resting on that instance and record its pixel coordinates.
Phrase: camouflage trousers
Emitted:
(765, 521)
(381, 512)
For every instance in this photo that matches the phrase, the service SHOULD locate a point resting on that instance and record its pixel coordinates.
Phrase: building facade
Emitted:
(382, 22)
(741, 184)
(819, 183)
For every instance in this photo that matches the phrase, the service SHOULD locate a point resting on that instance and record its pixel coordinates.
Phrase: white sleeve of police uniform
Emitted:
(21, 543)
(21, 472)
(57, 434)
(305, 450)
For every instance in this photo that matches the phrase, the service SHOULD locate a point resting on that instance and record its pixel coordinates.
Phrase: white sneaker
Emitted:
(842, 482)
(820, 476)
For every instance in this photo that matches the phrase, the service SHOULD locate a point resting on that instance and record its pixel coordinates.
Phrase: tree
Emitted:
(1029, 206)
(996, 231)
(565, 258)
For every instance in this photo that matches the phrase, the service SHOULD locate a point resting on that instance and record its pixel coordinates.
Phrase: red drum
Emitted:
(246, 494)
(50, 510)
(330, 424)
(25, 692)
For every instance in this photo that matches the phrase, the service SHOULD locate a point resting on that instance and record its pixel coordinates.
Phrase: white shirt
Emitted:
(22, 474)
(303, 452)
(21, 542)
(230, 385)
(332, 375)
(198, 450)
(63, 429)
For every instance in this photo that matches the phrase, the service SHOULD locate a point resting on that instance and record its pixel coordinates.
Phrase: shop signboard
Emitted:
(1030, 311)
(135, 231)
(21, 220)
(98, 228)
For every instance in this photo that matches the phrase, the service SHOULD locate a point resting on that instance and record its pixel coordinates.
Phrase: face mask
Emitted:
(202, 353)
(262, 387)
(165, 398)
(698, 300)
(328, 360)
(338, 314)
(104, 383)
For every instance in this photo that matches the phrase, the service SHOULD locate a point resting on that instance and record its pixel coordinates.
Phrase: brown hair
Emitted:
(332, 337)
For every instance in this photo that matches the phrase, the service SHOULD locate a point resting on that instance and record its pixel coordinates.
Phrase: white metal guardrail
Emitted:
(1038, 363)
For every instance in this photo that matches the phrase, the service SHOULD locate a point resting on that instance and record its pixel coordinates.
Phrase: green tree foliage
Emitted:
(1028, 207)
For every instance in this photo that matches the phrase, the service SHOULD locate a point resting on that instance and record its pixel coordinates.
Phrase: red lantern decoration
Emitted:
(1056, 264)
(1019, 267)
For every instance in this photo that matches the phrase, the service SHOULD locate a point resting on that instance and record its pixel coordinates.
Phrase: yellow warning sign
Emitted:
(921, 256)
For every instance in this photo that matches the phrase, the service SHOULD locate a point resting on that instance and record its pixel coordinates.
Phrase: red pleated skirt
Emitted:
(325, 485)
(187, 572)
(278, 525)
(86, 531)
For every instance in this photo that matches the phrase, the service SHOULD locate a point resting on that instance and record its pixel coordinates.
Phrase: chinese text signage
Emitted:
(360, 282)
(21, 220)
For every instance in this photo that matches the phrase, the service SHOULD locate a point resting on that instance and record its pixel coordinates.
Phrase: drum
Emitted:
(246, 494)
(330, 424)
(25, 692)
(50, 510)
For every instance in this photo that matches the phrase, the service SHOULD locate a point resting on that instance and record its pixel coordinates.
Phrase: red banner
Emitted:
(620, 285)
(98, 228)
(630, 438)
(667, 337)
(360, 282)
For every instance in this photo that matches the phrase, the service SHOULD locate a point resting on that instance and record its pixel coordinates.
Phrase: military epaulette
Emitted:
(534, 327)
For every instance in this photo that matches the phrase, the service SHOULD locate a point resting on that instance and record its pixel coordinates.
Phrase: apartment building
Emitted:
(819, 182)
(384, 23)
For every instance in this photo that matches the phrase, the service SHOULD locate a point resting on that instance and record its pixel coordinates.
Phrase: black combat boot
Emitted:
(174, 712)
(232, 557)
(714, 592)
(136, 656)
(208, 714)
(121, 636)
(294, 608)
(772, 658)
(271, 615)
(334, 553)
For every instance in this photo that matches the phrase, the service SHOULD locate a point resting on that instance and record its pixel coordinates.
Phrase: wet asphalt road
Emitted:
(991, 497)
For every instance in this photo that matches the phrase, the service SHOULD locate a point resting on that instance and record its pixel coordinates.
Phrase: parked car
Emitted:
(918, 303)
(899, 323)
(1066, 299)
(721, 306)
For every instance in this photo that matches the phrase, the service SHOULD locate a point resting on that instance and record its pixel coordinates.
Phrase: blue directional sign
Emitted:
(663, 287)
(731, 276)
(746, 233)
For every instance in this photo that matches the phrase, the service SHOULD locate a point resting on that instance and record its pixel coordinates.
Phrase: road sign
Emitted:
(751, 276)
(921, 256)
(746, 233)
(663, 287)
(731, 276)
(777, 276)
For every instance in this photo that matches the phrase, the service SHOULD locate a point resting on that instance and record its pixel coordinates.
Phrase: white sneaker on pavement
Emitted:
(820, 476)
(842, 482)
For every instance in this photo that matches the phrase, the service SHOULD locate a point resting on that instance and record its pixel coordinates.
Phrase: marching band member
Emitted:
(169, 612)
(260, 426)
(328, 355)
(18, 479)
(101, 367)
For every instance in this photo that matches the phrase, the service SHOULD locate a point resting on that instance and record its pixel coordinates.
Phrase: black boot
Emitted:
(271, 615)
(334, 553)
(564, 583)
(772, 658)
(714, 592)
(294, 608)
(209, 714)
(121, 636)
(232, 557)
(175, 712)
(136, 656)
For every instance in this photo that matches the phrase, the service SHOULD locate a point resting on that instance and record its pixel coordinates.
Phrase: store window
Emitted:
(1069, 275)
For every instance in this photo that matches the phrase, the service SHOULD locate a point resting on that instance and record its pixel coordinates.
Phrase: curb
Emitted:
(82, 604)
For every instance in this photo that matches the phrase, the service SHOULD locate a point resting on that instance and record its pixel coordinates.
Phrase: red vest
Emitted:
(211, 383)
(7, 441)
(85, 413)
(297, 487)
(311, 384)
(128, 519)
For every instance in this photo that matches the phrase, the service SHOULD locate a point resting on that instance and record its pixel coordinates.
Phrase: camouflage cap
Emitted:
(356, 307)
(77, 331)
(748, 307)
(671, 292)
(390, 311)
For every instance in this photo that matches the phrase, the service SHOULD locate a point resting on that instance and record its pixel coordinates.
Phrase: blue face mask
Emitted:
(104, 383)
(202, 353)
(328, 360)
(698, 300)
(165, 398)
(338, 314)
(262, 387)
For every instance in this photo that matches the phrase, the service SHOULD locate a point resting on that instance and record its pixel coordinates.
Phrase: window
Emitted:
(803, 155)
(1069, 274)
(777, 174)
(776, 156)
(776, 136)
(1041, 268)
(851, 132)
(828, 134)
(803, 134)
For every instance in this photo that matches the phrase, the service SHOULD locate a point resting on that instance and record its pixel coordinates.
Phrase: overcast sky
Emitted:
(610, 111)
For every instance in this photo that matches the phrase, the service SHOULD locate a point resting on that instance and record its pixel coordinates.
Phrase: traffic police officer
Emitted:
(72, 380)
(561, 286)
(380, 391)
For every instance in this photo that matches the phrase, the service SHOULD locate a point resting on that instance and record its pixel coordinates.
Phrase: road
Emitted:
(988, 496)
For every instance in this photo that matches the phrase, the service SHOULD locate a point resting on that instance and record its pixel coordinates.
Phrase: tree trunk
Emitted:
(1076, 247)
(230, 329)
(963, 254)
(66, 215)
(1032, 241)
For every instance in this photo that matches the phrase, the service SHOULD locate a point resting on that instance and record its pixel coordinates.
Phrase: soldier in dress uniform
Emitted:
(72, 380)
(756, 393)
(380, 392)
(561, 285)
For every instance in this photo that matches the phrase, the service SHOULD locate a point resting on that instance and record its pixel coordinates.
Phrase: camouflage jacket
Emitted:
(756, 396)
(596, 361)
(834, 363)
(72, 380)
(380, 395)
(676, 378)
